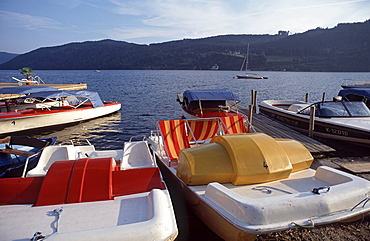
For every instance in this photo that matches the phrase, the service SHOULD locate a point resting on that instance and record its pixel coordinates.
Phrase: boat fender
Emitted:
(317, 190)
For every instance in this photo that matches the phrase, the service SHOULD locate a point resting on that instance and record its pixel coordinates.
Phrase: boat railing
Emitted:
(137, 136)
(76, 142)
(27, 161)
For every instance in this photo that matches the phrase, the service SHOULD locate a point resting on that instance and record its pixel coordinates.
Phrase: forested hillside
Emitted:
(345, 47)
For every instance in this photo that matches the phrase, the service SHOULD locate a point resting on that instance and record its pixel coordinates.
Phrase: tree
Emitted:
(26, 72)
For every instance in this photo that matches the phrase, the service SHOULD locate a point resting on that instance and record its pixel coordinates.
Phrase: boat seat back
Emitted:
(136, 155)
(50, 155)
(28, 141)
(174, 137)
(116, 154)
(82, 180)
(90, 180)
(84, 151)
(297, 107)
(202, 129)
(233, 125)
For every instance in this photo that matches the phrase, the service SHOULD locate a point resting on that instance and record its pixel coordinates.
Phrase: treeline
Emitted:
(345, 47)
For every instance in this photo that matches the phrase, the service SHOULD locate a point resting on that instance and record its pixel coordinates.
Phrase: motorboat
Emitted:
(356, 94)
(51, 108)
(343, 121)
(19, 154)
(206, 103)
(78, 193)
(356, 84)
(243, 184)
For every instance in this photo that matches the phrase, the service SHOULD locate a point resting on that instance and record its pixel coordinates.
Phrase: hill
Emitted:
(345, 47)
(5, 57)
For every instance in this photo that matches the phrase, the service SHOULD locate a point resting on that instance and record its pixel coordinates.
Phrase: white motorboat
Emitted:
(37, 110)
(241, 185)
(344, 121)
(79, 193)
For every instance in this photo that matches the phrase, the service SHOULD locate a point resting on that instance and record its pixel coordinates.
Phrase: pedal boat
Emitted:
(78, 193)
(244, 184)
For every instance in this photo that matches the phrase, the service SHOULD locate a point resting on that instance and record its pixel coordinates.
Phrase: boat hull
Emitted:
(37, 119)
(250, 77)
(109, 220)
(323, 127)
(214, 220)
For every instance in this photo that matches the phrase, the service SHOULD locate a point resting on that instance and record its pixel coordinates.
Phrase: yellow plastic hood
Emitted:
(242, 159)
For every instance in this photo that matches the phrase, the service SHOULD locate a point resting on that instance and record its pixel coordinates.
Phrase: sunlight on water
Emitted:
(150, 96)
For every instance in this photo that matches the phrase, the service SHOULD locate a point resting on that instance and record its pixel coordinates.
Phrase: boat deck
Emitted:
(264, 124)
(79, 86)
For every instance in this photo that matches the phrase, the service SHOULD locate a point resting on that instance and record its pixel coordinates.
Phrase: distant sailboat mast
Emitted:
(246, 60)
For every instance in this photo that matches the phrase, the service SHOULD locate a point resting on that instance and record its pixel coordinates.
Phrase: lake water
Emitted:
(150, 96)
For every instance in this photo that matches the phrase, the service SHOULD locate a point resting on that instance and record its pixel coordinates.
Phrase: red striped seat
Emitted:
(233, 125)
(202, 129)
(174, 137)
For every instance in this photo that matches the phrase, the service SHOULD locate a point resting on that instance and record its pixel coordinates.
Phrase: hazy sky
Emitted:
(26, 25)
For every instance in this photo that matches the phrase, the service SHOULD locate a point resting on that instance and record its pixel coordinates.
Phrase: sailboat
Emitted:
(248, 75)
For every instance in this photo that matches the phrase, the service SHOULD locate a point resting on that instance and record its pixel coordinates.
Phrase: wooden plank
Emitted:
(17, 152)
(264, 124)
(361, 167)
(80, 86)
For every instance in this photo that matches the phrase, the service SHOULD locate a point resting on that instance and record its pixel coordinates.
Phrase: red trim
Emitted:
(136, 181)
(75, 181)
(19, 190)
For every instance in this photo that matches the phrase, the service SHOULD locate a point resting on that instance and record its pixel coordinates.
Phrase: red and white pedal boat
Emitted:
(78, 193)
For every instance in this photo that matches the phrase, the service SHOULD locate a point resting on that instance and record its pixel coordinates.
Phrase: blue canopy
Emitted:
(209, 94)
(355, 91)
(23, 90)
(91, 95)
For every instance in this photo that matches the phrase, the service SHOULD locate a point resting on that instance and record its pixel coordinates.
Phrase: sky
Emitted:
(27, 25)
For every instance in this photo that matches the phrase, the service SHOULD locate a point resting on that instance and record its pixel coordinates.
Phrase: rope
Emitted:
(268, 191)
(58, 212)
(312, 225)
(365, 201)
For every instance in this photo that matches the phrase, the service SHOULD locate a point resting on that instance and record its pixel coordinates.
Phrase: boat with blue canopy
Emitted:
(356, 94)
(207, 103)
(34, 109)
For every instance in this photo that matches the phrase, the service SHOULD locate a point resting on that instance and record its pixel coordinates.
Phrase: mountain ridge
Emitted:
(345, 47)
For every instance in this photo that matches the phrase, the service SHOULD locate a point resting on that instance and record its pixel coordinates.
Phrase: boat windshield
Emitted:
(339, 109)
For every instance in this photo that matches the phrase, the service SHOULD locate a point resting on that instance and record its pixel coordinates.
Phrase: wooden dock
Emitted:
(80, 86)
(262, 123)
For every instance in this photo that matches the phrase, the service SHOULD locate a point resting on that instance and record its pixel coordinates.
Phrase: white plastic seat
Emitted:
(50, 155)
(116, 154)
(136, 155)
(84, 151)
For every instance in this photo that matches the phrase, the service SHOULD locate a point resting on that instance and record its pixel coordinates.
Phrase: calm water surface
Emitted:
(150, 96)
